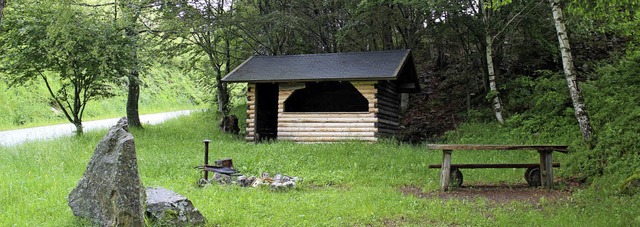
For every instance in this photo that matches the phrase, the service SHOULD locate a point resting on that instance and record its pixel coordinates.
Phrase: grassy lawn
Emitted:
(343, 184)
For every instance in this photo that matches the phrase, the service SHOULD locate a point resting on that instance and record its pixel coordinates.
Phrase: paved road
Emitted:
(14, 137)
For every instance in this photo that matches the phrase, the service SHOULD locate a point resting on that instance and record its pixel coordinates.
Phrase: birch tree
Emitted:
(486, 11)
(580, 109)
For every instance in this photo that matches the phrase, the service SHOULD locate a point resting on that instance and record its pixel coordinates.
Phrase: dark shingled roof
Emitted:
(352, 66)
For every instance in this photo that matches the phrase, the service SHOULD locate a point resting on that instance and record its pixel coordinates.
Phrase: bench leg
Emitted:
(548, 163)
(445, 174)
(546, 169)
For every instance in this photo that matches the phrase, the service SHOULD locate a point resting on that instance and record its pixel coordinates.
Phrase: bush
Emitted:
(540, 109)
(613, 103)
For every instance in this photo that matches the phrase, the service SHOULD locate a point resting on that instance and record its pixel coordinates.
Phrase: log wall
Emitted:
(251, 112)
(388, 103)
(329, 126)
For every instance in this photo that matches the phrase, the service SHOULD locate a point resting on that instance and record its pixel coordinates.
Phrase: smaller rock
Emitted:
(165, 207)
(276, 185)
(203, 182)
(251, 179)
(290, 184)
(257, 182)
(222, 178)
(243, 181)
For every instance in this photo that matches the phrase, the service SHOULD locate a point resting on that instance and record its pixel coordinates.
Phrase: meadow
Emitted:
(344, 184)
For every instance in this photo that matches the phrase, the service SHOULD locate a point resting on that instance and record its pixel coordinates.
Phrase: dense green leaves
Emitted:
(57, 41)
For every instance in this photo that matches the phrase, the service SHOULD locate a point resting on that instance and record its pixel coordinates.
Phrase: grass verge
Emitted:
(343, 184)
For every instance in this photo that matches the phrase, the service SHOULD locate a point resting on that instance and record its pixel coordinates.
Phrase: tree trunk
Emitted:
(133, 96)
(579, 107)
(130, 14)
(493, 89)
(223, 94)
(79, 129)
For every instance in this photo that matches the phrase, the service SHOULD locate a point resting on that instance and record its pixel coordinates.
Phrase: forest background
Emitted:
(65, 59)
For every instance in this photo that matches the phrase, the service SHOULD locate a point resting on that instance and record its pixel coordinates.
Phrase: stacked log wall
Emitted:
(329, 126)
(388, 104)
(251, 112)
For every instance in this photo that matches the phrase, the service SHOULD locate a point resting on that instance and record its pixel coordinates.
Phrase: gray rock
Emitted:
(243, 181)
(165, 207)
(222, 178)
(110, 192)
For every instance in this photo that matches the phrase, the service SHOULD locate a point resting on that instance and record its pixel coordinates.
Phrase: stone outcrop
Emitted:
(165, 207)
(110, 193)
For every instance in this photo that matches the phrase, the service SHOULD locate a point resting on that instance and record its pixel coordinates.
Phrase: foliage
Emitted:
(616, 118)
(540, 106)
(619, 16)
(166, 89)
(57, 41)
(205, 30)
(343, 184)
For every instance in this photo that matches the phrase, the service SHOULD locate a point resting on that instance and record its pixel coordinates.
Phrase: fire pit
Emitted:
(224, 173)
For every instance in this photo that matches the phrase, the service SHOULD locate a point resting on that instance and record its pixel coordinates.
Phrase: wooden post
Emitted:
(206, 158)
(543, 173)
(445, 174)
(548, 166)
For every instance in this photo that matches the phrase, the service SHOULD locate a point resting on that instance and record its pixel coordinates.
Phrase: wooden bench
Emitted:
(532, 175)
(544, 169)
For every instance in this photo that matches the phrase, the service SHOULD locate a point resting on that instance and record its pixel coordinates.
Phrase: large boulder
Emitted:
(110, 193)
(165, 207)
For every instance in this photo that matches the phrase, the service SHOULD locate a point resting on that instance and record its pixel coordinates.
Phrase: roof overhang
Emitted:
(396, 65)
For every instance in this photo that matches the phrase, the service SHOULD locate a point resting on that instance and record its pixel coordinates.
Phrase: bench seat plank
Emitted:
(558, 148)
(497, 166)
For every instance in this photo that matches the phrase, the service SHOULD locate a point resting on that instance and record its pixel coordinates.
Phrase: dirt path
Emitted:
(498, 193)
(14, 137)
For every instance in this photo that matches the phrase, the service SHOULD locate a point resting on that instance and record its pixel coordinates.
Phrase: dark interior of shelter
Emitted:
(326, 97)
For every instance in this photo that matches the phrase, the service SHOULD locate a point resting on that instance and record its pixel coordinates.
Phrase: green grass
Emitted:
(343, 184)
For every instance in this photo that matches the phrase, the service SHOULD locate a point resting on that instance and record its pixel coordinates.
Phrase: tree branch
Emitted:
(46, 82)
(95, 5)
(512, 19)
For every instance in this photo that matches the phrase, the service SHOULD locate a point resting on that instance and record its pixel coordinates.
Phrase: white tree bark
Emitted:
(497, 103)
(580, 109)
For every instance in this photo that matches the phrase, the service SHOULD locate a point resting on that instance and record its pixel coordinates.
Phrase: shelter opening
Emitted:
(328, 96)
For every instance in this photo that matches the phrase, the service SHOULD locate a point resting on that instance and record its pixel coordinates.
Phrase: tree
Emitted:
(206, 29)
(487, 9)
(580, 109)
(77, 54)
(131, 12)
(268, 27)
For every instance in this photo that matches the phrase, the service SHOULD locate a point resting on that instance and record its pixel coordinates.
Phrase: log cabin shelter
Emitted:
(326, 97)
